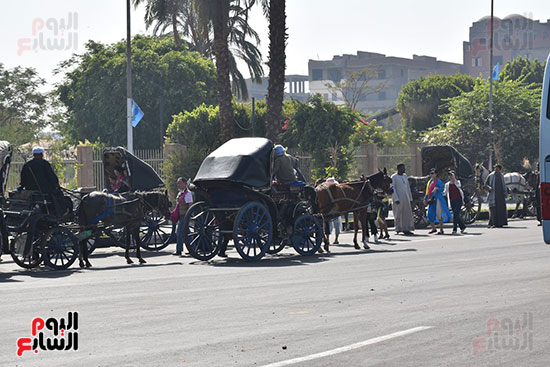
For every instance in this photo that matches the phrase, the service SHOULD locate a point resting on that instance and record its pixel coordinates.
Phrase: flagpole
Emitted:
(129, 128)
(491, 94)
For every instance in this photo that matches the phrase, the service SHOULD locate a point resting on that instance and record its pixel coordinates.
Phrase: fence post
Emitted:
(85, 168)
(416, 153)
(371, 151)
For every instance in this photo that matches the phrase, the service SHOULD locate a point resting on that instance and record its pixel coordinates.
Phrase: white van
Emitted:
(544, 153)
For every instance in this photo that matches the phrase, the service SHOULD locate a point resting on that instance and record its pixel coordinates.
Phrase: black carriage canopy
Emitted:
(5, 157)
(445, 157)
(141, 176)
(246, 161)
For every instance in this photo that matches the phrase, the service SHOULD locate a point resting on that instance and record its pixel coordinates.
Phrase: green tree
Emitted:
(523, 70)
(422, 102)
(94, 89)
(23, 108)
(323, 130)
(515, 125)
(180, 19)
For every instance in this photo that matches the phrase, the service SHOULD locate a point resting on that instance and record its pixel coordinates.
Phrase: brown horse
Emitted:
(336, 199)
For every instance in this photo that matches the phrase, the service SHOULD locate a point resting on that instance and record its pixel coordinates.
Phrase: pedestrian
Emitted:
(382, 205)
(438, 212)
(402, 202)
(455, 195)
(371, 222)
(498, 213)
(184, 201)
(336, 223)
(537, 195)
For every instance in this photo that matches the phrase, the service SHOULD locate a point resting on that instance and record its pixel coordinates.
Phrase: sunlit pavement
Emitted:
(425, 300)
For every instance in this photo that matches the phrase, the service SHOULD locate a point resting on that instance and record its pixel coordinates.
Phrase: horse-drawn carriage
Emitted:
(445, 158)
(156, 231)
(236, 199)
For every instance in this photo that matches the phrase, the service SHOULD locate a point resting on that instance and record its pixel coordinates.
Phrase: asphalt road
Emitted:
(413, 301)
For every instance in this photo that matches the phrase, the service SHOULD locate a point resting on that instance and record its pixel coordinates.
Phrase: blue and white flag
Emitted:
(495, 72)
(137, 114)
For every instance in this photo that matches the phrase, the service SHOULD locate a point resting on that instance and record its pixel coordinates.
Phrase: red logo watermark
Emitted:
(51, 334)
(506, 335)
(51, 35)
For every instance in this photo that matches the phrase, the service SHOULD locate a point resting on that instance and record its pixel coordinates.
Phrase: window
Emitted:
(402, 73)
(381, 96)
(482, 41)
(498, 60)
(545, 36)
(317, 74)
(476, 62)
(335, 75)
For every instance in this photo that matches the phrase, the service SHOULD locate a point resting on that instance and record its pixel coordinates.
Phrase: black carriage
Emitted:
(445, 158)
(237, 200)
(35, 228)
(5, 160)
(156, 231)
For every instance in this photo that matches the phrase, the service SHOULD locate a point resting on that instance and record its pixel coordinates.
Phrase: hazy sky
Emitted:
(318, 29)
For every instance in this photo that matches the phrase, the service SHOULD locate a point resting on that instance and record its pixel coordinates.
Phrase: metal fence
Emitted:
(154, 157)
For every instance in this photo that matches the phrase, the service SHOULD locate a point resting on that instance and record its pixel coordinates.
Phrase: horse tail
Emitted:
(81, 213)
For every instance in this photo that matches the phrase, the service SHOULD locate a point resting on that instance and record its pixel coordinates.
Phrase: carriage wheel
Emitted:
(308, 235)
(252, 231)
(60, 248)
(156, 232)
(277, 245)
(419, 216)
(26, 259)
(201, 232)
(470, 210)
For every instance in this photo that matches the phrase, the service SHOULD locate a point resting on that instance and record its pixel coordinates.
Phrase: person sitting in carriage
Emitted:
(38, 175)
(120, 183)
(284, 166)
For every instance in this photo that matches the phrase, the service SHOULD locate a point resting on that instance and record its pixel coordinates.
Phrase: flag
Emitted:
(137, 114)
(495, 72)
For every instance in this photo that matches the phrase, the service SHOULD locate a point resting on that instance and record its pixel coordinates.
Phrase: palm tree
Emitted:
(215, 14)
(242, 39)
(163, 12)
(276, 63)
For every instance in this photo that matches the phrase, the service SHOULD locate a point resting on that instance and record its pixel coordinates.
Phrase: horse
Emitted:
(341, 198)
(124, 211)
(379, 180)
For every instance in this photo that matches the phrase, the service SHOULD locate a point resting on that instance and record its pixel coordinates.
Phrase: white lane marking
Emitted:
(347, 348)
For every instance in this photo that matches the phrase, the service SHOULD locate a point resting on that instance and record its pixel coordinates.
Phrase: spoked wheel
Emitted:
(308, 235)
(471, 209)
(202, 232)
(60, 248)
(156, 232)
(29, 258)
(419, 216)
(252, 231)
(277, 245)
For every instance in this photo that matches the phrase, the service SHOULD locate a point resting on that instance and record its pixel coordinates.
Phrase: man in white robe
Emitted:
(402, 202)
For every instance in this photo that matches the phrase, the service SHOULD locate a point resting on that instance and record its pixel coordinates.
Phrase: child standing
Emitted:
(382, 207)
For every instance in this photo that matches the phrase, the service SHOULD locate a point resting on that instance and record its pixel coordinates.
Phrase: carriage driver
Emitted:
(284, 166)
(38, 175)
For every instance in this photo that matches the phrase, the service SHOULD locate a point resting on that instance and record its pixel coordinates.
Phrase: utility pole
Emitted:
(491, 94)
(129, 128)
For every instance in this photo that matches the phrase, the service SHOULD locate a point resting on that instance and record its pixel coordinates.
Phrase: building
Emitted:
(393, 72)
(513, 36)
(296, 87)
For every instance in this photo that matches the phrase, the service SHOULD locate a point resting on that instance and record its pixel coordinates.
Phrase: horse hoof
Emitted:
(357, 247)
(142, 261)
(81, 264)
(327, 249)
(129, 261)
(88, 265)
(366, 247)
(320, 250)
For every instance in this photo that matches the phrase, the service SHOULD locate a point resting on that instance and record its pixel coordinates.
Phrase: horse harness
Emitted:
(355, 201)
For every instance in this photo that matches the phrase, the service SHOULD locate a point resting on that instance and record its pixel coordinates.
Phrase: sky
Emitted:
(318, 29)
